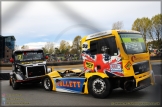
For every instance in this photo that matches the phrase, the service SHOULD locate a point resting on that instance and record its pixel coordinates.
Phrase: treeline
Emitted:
(151, 30)
(64, 47)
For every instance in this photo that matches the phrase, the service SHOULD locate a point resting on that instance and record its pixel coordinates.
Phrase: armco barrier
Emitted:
(64, 63)
(156, 58)
(70, 62)
(5, 76)
(50, 63)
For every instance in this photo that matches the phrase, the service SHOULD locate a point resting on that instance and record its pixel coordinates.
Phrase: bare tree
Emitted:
(157, 26)
(117, 25)
(25, 47)
(76, 46)
(16, 47)
(49, 48)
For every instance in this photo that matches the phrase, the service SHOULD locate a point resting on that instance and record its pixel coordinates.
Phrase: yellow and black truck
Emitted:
(120, 57)
(111, 59)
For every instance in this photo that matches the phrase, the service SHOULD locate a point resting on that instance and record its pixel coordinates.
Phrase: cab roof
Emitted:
(108, 32)
(27, 50)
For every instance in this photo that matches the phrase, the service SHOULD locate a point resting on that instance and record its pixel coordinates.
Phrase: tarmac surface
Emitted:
(35, 95)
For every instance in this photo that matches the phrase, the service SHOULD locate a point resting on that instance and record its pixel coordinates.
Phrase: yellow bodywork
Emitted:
(89, 75)
(126, 59)
(55, 74)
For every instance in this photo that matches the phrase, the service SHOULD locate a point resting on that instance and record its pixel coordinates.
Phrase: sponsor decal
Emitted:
(70, 84)
(33, 62)
(128, 65)
(89, 64)
(115, 67)
(98, 34)
(134, 58)
(19, 57)
(134, 39)
(104, 62)
(142, 67)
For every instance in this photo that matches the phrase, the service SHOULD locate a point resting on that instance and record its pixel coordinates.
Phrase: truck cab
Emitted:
(111, 59)
(28, 66)
(121, 56)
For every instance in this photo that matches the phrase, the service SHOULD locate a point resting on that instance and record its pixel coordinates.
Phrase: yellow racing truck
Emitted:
(120, 58)
(111, 59)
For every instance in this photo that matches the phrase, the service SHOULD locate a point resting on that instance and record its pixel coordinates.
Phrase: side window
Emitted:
(93, 47)
(110, 43)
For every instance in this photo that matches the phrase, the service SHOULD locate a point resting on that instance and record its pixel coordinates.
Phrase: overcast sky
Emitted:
(34, 23)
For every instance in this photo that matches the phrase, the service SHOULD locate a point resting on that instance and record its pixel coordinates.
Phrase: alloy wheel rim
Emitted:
(46, 83)
(13, 82)
(99, 86)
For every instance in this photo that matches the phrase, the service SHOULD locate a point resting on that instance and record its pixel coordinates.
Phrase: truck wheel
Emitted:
(10, 82)
(99, 87)
(15, 85)
(47, 83)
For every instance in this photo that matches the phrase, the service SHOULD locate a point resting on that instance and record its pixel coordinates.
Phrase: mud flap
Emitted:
(153, 82)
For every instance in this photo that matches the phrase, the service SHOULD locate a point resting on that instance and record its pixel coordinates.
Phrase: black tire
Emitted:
(122, 86)
(47, 83)
(15, 85)
(10, 82)
(129, 89)
(101, 85)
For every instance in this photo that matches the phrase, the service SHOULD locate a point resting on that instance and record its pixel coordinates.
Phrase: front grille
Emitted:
(23, 69)
(35, 71)
(141, 67)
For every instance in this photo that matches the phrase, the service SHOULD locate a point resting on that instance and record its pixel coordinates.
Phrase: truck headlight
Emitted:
(11, 73)
(49, 70)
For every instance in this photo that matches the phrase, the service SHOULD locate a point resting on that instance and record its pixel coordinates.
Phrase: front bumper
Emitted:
(144, 76)
(144, 80)
(140, 87)
(30, 79)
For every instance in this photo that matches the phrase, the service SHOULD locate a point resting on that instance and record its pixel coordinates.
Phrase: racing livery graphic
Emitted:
(109, 65)
(110, 61)
(73, 85)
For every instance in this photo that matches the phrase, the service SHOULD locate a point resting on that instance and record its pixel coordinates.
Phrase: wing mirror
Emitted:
(49, 70)
(46, 57)
(11, 60)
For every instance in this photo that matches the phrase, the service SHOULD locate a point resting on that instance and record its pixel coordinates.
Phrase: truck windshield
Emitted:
(133, 43)
(29, 56)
